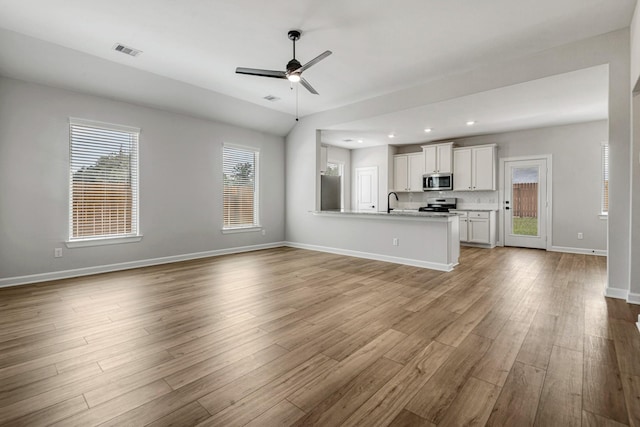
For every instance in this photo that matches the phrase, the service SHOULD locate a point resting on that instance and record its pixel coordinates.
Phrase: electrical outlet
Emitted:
(264, 232)
(57, 253)
(395, 241)
(580, 236)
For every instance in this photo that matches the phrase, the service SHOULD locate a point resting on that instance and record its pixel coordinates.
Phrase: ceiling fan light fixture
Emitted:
(294, 77)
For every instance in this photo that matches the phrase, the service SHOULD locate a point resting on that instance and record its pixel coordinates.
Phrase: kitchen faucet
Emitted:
(388, 202)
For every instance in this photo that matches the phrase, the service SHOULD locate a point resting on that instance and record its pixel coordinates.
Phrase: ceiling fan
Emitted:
(294, 68)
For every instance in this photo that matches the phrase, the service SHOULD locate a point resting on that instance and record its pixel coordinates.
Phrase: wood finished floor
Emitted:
(292, 337)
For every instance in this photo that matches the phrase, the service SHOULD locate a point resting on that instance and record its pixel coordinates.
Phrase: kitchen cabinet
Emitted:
(474, 168)
(477, 228)
(438, 158)
(407, 172)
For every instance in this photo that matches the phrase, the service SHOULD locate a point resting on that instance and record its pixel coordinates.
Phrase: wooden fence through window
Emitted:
(525, 200)
(101, 208)
(238, 205)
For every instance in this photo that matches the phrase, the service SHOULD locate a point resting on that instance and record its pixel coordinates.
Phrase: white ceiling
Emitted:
(573, 97)
(379, 46)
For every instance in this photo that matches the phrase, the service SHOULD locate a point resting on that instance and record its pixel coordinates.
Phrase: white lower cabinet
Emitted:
(477, 227)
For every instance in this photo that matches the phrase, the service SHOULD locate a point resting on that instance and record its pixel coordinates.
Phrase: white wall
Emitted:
(180, 181)
(367, 157)
(611, 49)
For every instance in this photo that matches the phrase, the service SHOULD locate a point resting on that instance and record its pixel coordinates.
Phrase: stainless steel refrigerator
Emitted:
(330, 193)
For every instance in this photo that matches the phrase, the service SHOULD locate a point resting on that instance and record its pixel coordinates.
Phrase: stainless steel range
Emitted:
(439, 204)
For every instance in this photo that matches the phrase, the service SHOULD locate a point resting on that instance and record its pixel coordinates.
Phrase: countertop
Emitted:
(397, 214)
(473, 210)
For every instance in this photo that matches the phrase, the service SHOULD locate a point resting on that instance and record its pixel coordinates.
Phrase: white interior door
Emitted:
(525, 203)
(367, 189)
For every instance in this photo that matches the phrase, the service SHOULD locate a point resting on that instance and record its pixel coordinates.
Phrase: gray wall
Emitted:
(180, 181)
(576, 166)
(612, 49)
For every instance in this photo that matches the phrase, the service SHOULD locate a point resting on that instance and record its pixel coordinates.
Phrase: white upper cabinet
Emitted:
(483, 167)
(407, 172)
(400, 172)
(438, 158)
(462, 169)
(474, 168)
(416, 170)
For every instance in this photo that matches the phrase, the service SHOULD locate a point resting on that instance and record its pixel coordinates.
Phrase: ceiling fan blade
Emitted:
(314, 61)
(262, 73)
(310, 88)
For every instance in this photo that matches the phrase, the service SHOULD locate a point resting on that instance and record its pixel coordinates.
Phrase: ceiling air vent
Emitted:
(126, 50)
(347, 140)
(271, 98)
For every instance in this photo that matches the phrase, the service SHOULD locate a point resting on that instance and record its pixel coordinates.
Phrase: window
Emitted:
(333, 169)
(240, 187)
(604, 205)
(103, 181)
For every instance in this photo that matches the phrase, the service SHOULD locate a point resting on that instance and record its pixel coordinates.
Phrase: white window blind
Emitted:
(240, 187)
(605, 179)
(103, 180)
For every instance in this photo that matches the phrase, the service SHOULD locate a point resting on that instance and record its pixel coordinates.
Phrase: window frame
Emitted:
(257, 224)
(605, 165)
(99, 240)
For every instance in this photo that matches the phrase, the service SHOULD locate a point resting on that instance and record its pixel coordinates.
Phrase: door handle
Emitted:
(507, 208)
(373, 206)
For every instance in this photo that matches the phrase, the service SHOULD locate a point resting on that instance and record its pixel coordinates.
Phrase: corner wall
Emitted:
(634, 160)
(180, 183)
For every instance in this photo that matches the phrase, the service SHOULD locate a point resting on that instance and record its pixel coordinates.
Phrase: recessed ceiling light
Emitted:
(471, 122)
(391, 135)
(427, 130)
(360, 141)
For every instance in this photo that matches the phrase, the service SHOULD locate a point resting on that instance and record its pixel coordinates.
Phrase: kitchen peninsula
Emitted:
(421, 239)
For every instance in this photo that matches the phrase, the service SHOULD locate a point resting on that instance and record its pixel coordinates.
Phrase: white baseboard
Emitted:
(633, 298)
(570, 250)
(616, 293)
(376, 257)
(65, 274)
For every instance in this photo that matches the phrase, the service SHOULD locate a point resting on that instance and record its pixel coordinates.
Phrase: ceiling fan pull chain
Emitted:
(297, 103)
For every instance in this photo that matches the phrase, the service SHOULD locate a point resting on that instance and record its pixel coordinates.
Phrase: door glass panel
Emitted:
(524, 201)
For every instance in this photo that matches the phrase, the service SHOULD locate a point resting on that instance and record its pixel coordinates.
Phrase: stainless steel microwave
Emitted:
(437, 182)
